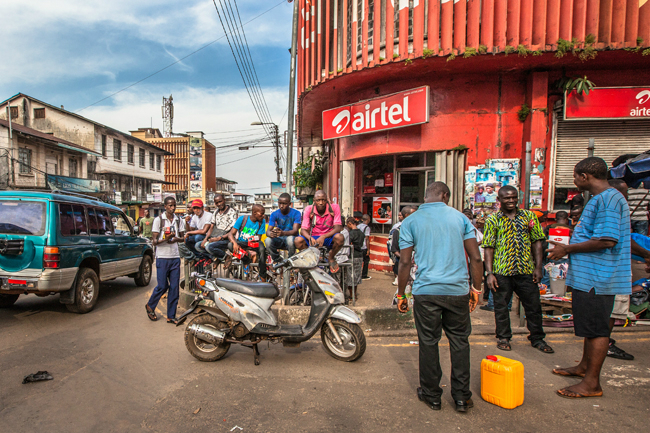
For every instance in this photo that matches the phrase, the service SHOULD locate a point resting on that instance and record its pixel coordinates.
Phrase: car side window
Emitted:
(72, 219)
(122, 227)
(79, 215)
(104, 222)
(93, 226)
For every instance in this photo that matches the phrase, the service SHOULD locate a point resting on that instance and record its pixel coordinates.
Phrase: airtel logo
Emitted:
(370, 119)
(643, 96)
(336, 123)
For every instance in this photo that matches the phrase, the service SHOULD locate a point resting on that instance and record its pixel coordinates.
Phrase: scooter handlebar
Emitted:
(281, 264)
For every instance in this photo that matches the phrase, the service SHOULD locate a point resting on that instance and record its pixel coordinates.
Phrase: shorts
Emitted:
(327, 244)
(591, 313)
(621, 307)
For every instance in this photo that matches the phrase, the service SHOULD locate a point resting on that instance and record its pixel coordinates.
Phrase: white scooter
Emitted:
(242, 315)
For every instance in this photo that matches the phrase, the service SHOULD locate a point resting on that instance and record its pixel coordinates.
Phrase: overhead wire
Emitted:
(246, 157)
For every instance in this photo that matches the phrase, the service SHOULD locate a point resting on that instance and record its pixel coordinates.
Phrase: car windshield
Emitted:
(22, 217)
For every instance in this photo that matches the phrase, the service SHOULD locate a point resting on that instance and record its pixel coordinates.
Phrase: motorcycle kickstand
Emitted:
(256, 354)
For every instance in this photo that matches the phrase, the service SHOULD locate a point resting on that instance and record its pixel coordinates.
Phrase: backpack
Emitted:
(389, 244)
(312, 216)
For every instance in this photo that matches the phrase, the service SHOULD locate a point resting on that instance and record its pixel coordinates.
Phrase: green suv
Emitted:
(53, 242)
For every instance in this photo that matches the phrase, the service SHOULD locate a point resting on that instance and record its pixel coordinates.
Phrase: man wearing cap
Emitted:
(197, 226)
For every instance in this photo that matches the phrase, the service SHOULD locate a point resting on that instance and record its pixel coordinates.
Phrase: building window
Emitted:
(158, 161)
(72, 167)
(104, 146)
(131, 152)
(151, 161)
(25, 160)
(39, 113)
(14, 112)
(117, 150)
(142, 157)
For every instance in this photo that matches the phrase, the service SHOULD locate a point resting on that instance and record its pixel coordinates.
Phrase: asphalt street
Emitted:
(116, 371)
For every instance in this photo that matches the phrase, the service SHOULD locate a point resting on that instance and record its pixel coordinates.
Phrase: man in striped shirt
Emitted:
(638, 199)
(599, 269)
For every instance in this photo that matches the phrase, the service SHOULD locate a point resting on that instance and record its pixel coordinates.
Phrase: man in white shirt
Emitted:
(223, 219)
(166, 234)
(197, 226)
(365, 229)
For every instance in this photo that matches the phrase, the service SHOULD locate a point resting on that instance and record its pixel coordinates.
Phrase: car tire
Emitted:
(7, 301)
(144, 274)
(86, 292)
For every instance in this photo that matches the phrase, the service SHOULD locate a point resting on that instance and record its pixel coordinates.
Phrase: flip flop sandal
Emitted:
(570, 394)
(504, 345)
(151, 314)
(543, 347)
(563, 372)
(174, 321)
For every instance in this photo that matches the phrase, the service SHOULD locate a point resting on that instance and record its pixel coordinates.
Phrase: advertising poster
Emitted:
(118, 197)
(156, 188)
(196, 167)
(388, 179)
(482, 184)
(381, 210)
(277, 188)
(369, 189)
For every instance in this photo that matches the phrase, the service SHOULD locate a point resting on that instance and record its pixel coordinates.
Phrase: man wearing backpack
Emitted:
(394, 239)
(321, 226)
(251, 228)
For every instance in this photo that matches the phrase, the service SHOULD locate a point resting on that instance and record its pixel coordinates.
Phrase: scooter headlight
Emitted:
(307, 258)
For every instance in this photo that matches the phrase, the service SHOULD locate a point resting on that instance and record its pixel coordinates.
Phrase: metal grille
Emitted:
(612, 139)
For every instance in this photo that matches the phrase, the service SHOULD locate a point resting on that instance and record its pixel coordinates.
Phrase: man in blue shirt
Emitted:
(440, 236)
(250, 228)
(283, 228)
(599, 269)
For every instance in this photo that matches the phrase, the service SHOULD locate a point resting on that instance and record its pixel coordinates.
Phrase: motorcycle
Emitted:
(242, 315)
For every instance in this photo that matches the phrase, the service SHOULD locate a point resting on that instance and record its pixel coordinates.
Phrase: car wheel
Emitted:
(144, 275)
(86, 292)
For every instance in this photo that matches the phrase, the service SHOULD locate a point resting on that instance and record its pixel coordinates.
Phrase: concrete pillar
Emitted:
(347, 187)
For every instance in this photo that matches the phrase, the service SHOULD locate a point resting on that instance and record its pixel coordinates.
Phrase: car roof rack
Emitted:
(63, 192)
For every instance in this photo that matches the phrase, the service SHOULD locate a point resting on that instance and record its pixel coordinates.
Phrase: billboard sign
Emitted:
(608, 103)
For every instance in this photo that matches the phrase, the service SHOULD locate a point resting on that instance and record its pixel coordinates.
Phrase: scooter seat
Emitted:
(261, 290)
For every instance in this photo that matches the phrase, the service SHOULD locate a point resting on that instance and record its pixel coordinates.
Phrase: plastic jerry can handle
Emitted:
(492, 358)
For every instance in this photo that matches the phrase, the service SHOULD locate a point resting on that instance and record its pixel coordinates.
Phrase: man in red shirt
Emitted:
(321, 226)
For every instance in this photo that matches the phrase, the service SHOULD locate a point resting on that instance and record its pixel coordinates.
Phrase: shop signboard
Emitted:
(156, 188)
(608, 103)
(196, 167)
(150, 198)
(118, 198)
(277, 188)
(398, 110)
(381, 210)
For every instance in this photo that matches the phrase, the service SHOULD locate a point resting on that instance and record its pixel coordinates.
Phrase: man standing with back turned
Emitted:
(442, 296)
(599, 269)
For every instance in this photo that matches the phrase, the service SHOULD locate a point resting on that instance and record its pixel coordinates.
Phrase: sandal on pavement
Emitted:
(504, 344)
(570, 394)
(564, 372)
(150, 313)
(542, 346)
(174, 321)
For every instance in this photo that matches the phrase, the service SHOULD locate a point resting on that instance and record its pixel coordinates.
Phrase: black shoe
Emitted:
(486, 308)
(618, 353)
(464, 406)
(435, 405)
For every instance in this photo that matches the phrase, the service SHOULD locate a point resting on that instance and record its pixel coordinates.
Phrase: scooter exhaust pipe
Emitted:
(207, 334)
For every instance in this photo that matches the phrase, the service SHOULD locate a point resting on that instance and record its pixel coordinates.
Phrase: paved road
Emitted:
(115, 371)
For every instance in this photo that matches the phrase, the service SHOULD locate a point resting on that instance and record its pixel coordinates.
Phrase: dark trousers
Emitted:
(432, 315)
(396, 265)
(528, 293)
(191, 243)
(366, 261)
(168, 273)
(217, 249)
(261, 255)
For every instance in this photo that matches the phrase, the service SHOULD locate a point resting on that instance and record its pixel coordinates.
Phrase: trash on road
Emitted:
(236, 427)
(37, 377)
(197, 411)
(414, 342)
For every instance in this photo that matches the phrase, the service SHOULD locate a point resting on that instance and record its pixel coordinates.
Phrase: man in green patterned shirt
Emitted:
(512, 239)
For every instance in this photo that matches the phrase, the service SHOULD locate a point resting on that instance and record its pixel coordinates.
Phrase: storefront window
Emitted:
(378, 182)
(410, 160)
(564, 198)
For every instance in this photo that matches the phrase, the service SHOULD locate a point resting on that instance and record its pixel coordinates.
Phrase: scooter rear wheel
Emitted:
(202, 350)
(353, 338)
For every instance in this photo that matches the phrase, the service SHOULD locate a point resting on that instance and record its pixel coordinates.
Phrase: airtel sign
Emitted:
(608, 103)
(398, 110)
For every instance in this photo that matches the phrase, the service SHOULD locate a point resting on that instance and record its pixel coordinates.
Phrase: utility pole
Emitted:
(292, 97)
(276, 143)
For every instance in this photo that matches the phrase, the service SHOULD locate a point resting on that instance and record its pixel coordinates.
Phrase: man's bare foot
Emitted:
(570, 371)
(580, 391)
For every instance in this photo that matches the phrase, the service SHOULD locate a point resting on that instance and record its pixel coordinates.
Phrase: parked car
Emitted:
(53, 242)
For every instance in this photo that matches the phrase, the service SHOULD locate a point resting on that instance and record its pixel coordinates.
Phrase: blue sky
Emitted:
(76, 52)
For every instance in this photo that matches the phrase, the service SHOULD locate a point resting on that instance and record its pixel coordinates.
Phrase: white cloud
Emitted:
(207, 110)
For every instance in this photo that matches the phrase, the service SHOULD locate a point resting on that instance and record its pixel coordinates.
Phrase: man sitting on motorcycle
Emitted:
(284, 225)
(321, 226)
(250, 228)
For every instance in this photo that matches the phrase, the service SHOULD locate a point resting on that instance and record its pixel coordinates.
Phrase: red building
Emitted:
(492, 70)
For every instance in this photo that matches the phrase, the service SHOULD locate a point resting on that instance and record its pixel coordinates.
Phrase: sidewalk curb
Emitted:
(388, 322)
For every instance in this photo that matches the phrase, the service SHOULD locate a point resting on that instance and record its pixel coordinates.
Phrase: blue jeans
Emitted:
(640, 227)
(168, 273)
(217, 249)
(280, 243)
(194, 241)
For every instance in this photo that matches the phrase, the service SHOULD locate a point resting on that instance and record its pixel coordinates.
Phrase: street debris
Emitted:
(37, 377)
(197, 411)
(414, 342)
(236, 427)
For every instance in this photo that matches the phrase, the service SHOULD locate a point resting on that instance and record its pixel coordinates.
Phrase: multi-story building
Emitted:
(190, 165)
(126, 165)
(265, 200)
(400, 94)
(241, 202)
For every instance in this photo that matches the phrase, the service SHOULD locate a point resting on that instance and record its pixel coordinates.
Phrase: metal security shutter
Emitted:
(612, 138)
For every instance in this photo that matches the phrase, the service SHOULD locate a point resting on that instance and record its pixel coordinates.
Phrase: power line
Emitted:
(246, 157)
(179, 60)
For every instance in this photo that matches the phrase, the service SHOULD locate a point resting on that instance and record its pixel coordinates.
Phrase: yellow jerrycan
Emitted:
(502, 381)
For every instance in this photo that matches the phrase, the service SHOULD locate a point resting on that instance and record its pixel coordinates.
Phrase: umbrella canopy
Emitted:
(633, 169)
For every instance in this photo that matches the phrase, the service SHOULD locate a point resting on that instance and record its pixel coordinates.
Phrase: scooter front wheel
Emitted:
(202, 350)
(352, 338)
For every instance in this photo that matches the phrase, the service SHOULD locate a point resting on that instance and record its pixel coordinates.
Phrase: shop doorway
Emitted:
(411, 187)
